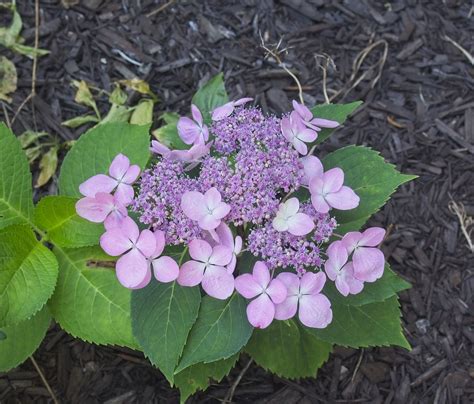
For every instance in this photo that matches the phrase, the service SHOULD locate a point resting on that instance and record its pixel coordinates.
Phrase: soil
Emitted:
(417, 86)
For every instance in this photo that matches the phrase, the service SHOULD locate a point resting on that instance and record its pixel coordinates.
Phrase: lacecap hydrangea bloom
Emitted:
(247, 184)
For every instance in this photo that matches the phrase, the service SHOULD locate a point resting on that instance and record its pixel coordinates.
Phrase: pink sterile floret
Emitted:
(288, 218)
(297, 133)
(192, 131)
(132, 268)
(368, 261)
(261, 310)
(226, 110)
(208, 268)
(102, 208)
(304, 297)
(122, 176)
(328, 191)
(314, 123)
(342, 272)
(207, 209)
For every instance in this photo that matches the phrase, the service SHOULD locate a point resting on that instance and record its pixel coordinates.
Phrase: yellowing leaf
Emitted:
(143, 113)
(29, 137)
(48, 166)
(118, 96)
(80, 120)
(8, 78)
(139, 85)
(84, 95)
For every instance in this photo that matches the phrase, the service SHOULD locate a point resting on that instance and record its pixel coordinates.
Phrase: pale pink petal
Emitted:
(131, 175)
(342, 286)
(242, 101)
(300, 224)
(337, 257)
(115, 219)
(225, 235)
(277, 291)
(193, 205)
(286, 129)
(160, 243)
(232, 264)
(180, 155)
(197, 116)
(324, 123)
(312, 167)
(114, 242)
(97, 183)
(287, 309)
(291, 281)
(208, 222)
(315, 311)
(204, 135)
(368, 263)
(124, 193)
(280, 224)
(191, 273)
(237, 245)
(145, 281)
(319, 203)
(221, 255)
(221, 211)
(261, 274)
(372, 237)
(188, 130)
(217, 282)
(212, 198)
(351, 240)
(165, 269)
(247, 286)
(92, 210)
(159, 148)
(200, 250)
(261, 311)
(130, 229)
(344, 199)
(132, 269)
(223, 111)
(307, 135)
(302, 110)
(333, 180)
(290, 207)
(119, 166)
(300, 146)
(354, 284)
(316, 185)
(312, 283)
(146, 243)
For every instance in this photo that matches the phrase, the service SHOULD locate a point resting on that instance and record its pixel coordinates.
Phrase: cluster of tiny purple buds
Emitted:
(246, 186)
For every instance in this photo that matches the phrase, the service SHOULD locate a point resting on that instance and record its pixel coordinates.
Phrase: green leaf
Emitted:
(288, 350)
(370, 177)
(89, 302)
(168, 133)
(95, 150)
(16, 203)
(143, 113)
(198, 376)
(28, 273)
(334, 112)
(56, 215)
(210, 96)
(21, 340)
(162, 316)
(374, 324)
(220, 331)
(385, 287)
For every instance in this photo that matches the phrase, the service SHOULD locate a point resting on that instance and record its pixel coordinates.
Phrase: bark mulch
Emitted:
(417, 87)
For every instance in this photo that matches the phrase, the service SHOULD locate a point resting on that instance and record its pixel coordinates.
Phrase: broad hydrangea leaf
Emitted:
(373, 180)
(334, 112)
(28, 274)
(95, 150)
(198, 376)
(374, 324)
(89, 302)
(16, 203)
(385, 287)
(56, 215)
(210, 96)
(162, 316)
(168, 133)
(220, 331)
(19, 341)
(287, 349)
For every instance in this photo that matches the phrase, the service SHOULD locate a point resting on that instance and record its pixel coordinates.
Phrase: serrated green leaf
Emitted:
(162, 316)
(334, 112)
(219, 332)
(28, 273)
(21, 340)
(168, 133)
(372, 179)
(210, 96)
(16, 203)
(385, 287)
(95, 150)
(89, 302)
(56, 215)
(287, 349)
(374, 324)
(198, 376)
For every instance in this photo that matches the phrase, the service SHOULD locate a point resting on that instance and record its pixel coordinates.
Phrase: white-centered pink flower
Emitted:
(192, 131)
(207, 268)
(132, 268)
(304, 297)
(340, 271)
(288, 218)
(328, 191)
(312, 167)
(368, 260)
(102, 208)
(268, 293)
(226, 110)
(308, 118)
(297, 133)
(121, 177)
(207, 209)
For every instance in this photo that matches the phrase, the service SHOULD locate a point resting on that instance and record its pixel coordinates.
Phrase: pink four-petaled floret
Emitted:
(193, 131)
(288, 218)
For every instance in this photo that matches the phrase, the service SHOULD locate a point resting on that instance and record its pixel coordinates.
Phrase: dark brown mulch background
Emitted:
(419, 114)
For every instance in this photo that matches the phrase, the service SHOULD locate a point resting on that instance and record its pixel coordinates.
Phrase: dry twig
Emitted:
(464, 51)
(466, 222)
(230, 393)
(43, 379)
(328, 62)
